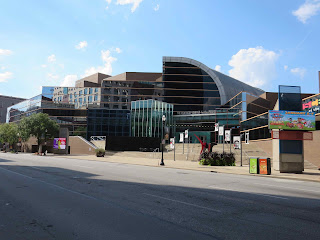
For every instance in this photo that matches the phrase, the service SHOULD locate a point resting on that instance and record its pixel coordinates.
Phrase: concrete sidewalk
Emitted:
(308, 174)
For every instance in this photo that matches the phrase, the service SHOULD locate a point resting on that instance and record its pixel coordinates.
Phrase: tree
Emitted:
(9, 133)
(38, 125)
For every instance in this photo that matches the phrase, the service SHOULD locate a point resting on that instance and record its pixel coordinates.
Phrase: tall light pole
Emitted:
(162, 140)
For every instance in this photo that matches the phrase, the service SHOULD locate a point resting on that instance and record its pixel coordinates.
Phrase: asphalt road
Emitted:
(59, 198)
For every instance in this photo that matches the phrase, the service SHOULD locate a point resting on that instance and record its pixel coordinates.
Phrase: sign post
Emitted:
(221, 133)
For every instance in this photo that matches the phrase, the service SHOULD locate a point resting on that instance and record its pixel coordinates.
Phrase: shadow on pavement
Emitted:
(218, 213)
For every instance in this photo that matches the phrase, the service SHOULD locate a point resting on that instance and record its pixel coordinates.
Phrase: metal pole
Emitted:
(241, 148)
(174, 149)
(230, 140)
(183, 145)
(162, 163)
(223, 141)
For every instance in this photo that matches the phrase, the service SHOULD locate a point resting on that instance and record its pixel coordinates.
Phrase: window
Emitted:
(80, 92)
(85, 91)
(75, 94)
(84, 100)
(115, 106)
(90, 90)
(70, 96)
(95, 97)
(90, 99)
(96, 90)
(80, 101)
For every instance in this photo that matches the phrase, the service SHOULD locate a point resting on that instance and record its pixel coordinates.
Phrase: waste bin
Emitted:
(253, 166)
(264, 166)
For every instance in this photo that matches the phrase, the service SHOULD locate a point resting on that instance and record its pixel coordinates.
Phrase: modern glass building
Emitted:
(106, 122)
(146, 118)
(190, 94)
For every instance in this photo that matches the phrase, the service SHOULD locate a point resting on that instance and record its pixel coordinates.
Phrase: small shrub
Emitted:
(100, 152)
(216, 159)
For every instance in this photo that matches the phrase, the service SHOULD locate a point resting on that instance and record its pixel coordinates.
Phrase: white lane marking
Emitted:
(266, 195)
(173, 200)
(299, 189)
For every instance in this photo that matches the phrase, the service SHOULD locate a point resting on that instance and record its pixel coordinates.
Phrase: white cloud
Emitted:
(300, 72)
(135, 3)
(82, 45)
(285, 67)
(69, 81)
(5, 76)
(52, 76)
(3, 68)
(254, 66)
(156, 8)
(5, 52)
(52, 58)
(118, 50)
(43, 65)
(108, 1)
(217, 68)
(307, 10)
(106, 68)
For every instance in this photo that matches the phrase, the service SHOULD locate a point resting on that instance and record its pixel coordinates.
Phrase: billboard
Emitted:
(59, 143)
(292, 120)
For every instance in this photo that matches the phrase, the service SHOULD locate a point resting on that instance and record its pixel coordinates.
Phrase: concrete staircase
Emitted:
(80, 146)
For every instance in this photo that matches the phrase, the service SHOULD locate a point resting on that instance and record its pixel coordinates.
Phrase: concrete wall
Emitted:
(80, 147)
(311, 149)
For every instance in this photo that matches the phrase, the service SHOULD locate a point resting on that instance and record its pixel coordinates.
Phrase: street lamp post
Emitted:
(162, 140)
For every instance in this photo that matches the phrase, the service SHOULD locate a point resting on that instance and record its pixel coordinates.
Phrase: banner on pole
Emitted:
(181, 137)
(172, 143)
(216, 127)
(221, 130)
(186, 133)
(227, 136)
(247, 137)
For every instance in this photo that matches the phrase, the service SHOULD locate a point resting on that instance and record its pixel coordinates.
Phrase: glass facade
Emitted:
(105, 122)
(189, 88)
(146, 118)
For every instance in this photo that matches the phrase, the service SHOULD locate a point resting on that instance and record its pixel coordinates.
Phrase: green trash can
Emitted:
(254, 166)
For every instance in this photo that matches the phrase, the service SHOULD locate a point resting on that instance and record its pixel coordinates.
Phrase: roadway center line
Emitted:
(173, 200)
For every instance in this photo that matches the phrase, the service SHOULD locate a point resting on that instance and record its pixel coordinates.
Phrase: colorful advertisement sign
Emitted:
(59, 143)
(292, 120)
(253, 168)
(263, 166)
(312, 105)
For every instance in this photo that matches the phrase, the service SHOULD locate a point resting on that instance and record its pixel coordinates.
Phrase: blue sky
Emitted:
(55, 42)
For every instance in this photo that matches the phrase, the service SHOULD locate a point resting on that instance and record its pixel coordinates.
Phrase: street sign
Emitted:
(216, 127)
(221, 130)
